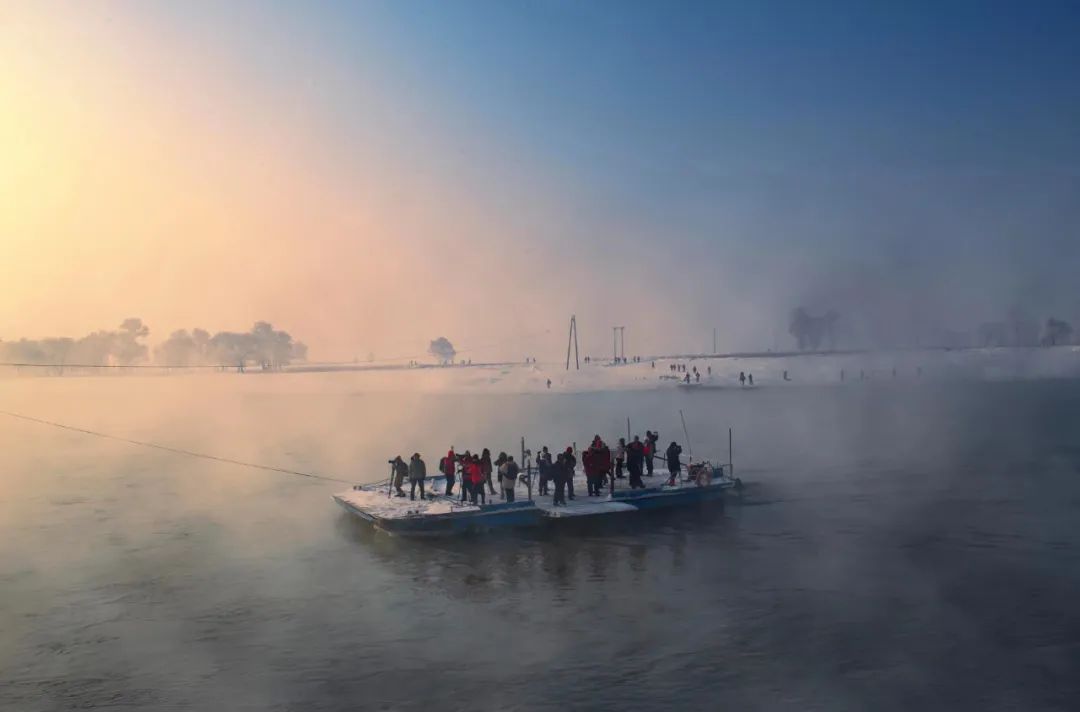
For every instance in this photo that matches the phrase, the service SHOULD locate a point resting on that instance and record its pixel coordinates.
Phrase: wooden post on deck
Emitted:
(528, 469)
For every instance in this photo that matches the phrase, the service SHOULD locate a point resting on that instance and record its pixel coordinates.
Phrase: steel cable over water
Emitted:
(174, 450)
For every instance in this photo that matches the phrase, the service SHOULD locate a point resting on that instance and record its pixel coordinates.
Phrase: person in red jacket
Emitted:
(449, 464)
(590, 474)
(476, 480)
(466, 479)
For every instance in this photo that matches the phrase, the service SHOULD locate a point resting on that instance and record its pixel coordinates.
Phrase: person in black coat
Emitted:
(559, 472)
(417, 475)
(571, 468)
(673, 464)
(635, 461)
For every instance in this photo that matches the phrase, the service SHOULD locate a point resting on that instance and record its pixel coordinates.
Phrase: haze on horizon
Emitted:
(371, 176)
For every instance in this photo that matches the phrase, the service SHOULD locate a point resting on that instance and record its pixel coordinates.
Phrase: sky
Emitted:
(371, 175)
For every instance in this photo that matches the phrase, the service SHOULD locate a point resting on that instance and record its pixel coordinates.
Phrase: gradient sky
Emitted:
(371, 175)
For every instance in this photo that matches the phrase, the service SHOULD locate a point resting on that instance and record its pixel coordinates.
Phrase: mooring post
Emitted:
(730, 463)
(528, 468)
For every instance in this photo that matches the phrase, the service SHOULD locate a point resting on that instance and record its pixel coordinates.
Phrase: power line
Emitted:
(174, 450)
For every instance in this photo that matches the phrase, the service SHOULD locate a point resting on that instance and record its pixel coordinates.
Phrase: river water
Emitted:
(900, 545)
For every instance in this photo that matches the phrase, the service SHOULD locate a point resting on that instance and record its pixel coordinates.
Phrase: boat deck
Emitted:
(377, 504)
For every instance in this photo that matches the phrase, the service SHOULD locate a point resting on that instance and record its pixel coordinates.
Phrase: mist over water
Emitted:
(900, 544)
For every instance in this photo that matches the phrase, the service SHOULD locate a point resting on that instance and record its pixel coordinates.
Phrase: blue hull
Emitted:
(525, 513)
(657, 498)
(491, 516)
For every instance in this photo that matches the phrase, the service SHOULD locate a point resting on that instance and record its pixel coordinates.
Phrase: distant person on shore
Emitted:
(560, 480)
(543, 465)
(750, 378)
(417, 475)
(510, 476)
(673, 464)
(786, 376)
(697, 376)
(448, 465)
(620, 458)
(401, 471)
(742, 378)
(485, 466)
(709, 370)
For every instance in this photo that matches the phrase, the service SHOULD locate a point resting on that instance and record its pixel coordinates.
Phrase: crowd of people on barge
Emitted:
(478, 476)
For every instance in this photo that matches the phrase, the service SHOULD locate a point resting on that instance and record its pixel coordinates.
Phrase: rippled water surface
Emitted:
(900, 545)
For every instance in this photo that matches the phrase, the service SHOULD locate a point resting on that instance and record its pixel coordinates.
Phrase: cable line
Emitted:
(174, 450)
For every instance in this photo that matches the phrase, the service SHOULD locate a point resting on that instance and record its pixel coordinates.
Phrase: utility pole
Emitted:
(622, 341)
(572, 341)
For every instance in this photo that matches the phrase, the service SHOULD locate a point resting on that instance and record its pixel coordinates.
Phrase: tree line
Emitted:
(815, 333)
(126, 346)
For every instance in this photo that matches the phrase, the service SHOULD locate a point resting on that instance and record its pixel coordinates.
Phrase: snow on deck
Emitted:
(373, 499)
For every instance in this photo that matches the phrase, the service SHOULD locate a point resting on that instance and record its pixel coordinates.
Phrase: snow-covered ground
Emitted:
(768, 371)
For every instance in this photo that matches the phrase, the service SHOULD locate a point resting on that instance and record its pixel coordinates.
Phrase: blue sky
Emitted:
(910, 161)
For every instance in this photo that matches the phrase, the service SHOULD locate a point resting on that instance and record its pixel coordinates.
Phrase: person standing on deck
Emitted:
(603, 463)
(509, 478)
(476, 480)
(485, 465)
(560, 480)
(466, 481)
(673, 464)
(651, 442)
(449, 464)
(417, 475)
(593, 461)
(499, 462)
(620, 458)
(648, 453)
(571, 470)
(543, 465)
(400, 472)
(586, 464)
(635, 460)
